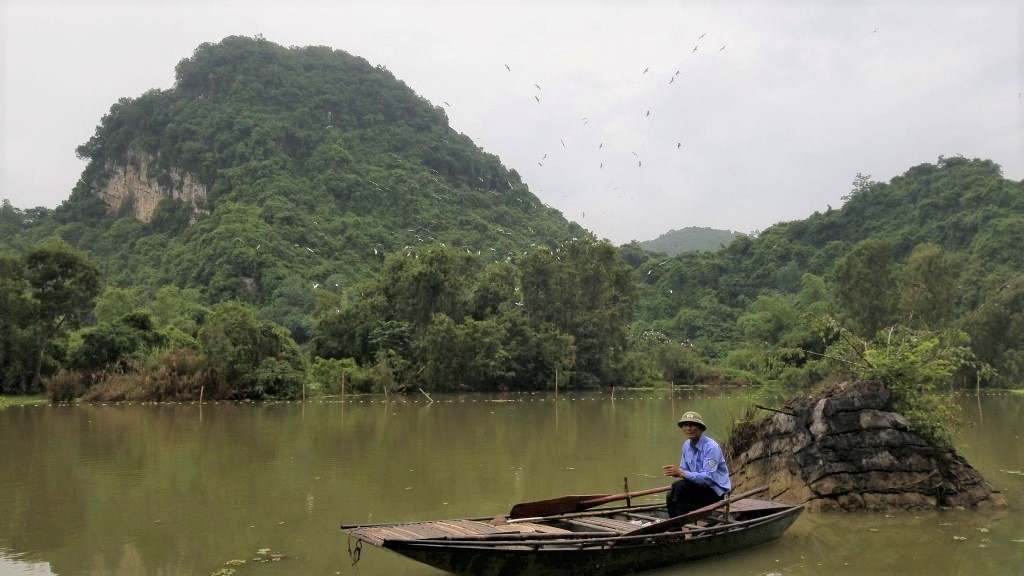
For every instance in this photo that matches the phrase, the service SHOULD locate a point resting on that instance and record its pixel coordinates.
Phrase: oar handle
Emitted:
(624, 495)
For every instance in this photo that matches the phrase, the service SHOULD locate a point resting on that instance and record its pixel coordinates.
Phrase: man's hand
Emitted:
(673, 471)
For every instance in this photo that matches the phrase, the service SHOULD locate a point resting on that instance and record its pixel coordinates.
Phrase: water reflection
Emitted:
(182, 489)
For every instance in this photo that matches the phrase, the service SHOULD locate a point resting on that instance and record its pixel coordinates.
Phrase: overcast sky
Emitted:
(652, 115)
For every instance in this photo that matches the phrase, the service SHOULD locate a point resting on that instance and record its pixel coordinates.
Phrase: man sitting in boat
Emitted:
(704, 477)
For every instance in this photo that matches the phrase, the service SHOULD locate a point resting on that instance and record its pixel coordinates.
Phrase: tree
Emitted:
(17, 310)
(250, 358)
(173, 306)
(867, 287)
(928, 287)
(861, 183)
(584, 290)
(111, 342)
(63, 283)
(113, 303)
(996, 329)
(437, 282)
(469, 355)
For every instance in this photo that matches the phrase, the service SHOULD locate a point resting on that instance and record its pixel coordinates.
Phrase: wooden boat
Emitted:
(602, 541)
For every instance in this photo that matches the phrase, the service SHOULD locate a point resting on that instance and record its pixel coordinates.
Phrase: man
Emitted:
(704, 477)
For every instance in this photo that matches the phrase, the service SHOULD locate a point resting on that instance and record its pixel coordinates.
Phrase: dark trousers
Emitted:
(687, 496)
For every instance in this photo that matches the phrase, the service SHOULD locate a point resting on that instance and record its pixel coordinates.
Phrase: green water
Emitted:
(181, 489)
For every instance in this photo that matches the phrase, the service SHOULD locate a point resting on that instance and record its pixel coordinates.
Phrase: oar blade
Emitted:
(561, 505)
(568, 504)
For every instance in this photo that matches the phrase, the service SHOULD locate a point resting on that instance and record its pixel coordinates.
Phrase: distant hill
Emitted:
(689, 239)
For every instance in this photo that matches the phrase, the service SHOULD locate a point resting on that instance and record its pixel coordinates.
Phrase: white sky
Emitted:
(774, 127)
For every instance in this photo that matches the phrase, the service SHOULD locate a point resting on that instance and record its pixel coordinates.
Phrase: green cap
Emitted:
(694, 418)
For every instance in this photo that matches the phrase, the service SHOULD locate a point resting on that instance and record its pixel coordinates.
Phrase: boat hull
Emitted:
(611, 555)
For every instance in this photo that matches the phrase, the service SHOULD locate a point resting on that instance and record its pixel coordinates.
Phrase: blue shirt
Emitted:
(705, 464)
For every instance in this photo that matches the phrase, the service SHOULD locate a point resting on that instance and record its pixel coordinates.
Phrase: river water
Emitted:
(182, 489)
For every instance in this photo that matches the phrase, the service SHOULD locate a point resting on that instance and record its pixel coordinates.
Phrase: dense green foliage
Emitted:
(44, 293)
(444, 322)
(915, 365)
(935, 248)
(675, 242)
(350, 241)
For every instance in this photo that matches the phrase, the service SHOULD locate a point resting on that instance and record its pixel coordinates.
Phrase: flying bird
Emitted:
(679, 145)
(507, 68)
(447, 104)
(545, 156)
(648, 113)
(702, 35)
(600, 146)
(722, 48)
(695, 48)
(639, 163)
(537, 98)
(562, 141)
(538, 86)
(673, 79)
(677, 72)
(645, 71)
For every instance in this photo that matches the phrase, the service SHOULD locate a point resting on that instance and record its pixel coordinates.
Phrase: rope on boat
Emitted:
(354, 554)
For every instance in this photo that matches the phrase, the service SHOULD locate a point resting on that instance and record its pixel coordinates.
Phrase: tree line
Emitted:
(350, 238)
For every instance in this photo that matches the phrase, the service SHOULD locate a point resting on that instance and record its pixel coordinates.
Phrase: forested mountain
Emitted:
(285, 216)
(937, 247)
(267, 170)
(690, 239)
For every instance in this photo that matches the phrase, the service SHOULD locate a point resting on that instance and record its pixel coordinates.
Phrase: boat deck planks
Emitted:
(446, 529)
(610, 525)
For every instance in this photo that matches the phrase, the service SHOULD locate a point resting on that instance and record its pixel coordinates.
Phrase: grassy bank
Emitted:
(21, 400)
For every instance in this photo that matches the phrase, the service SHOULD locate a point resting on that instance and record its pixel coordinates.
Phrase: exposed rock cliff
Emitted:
(846, 449)
(132, 183)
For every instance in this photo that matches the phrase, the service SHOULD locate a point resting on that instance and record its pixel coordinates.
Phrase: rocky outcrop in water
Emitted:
(846, 449)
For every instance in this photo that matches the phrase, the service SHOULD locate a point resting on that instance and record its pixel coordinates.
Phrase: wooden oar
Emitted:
(566, 504)
(677, 522)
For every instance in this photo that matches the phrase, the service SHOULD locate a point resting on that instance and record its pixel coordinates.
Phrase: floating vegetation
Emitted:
(262, 555)
(266, 555)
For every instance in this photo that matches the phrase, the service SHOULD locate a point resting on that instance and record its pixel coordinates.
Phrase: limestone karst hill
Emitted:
(265, 166)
